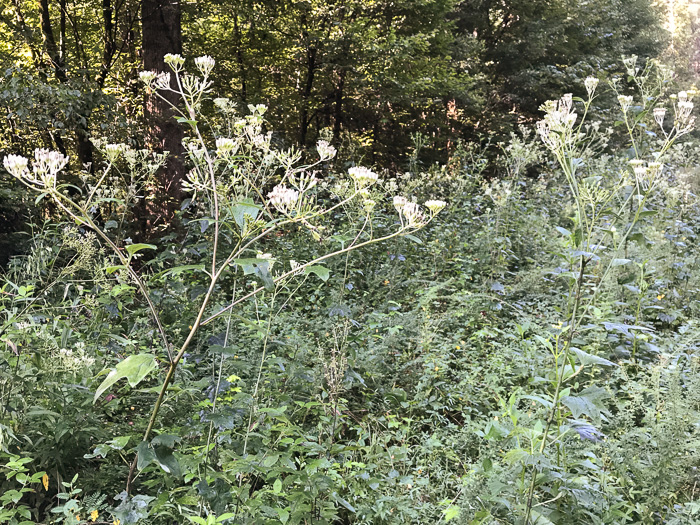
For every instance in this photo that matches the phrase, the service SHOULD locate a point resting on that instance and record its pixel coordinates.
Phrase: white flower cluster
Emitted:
(46, 166)
(435, 206)
(325, 150)
(113, 151)
(205, 64)
(363, 176)
(625, 102)
(591, 84)
(283, 198)
(410, 211)
(226, 147)
(559, 119)
(659, 115)
(684, 110)
(645, 173)
(174, 61)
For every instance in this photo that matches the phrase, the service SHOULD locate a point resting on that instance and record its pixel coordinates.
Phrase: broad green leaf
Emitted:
(180, 269)
(241, 209)
(112, 269)
(133, 248)
(620, 262)
(588, 359)
(345, 503)
(319, 270)
(277, 486)
(451, 513)
(413, 238)
(134, 368)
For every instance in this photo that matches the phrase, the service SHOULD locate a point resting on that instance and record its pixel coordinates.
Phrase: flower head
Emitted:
(400, 202)
(414, 215)
(147, 77)
(625, 102)
(205, 64)
(16, 165)
(591, 84)
(162, 81)
(174, 61)
(363, 176)
(225, 146)
(112, 151)
(659, 114)
(325, 150)
(47, 164)
(283, 198)
(435, 206)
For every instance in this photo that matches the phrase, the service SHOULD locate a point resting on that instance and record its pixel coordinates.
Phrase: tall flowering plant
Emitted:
(246, 190)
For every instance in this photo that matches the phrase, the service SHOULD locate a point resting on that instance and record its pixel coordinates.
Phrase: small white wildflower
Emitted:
(195, 151)
(47, 164)
(659, 115)
(16, 165)
(682, 96)
(325, 150)
(625, 102)
(369, 205)
(174, 61)
(435, 206)
(636, 163)
(205, 64)
(400, 202)
(112, 151)
(225, 146)
(684, 110)
(283, 198)
(591, 84)
(162, 81)
(363, 176)
(654, 168)
(147, 77)
(414, 215)
(640, 172)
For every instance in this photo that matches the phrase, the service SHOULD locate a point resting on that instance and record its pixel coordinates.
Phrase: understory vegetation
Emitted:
(317, 343)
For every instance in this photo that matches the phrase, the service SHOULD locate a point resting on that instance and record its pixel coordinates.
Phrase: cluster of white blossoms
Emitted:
(435, 206)
(46, 166)
(683, 113)
(205, 64)
(591, 84)
(174, 61)
(625, 102)
(113, 151)
(226, 147)
(155, 80)
(644, 172)
(283, 198)
(363, 176)
(559, 119)
(325, 150)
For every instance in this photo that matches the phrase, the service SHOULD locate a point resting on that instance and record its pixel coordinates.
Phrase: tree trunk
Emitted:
(162, 34)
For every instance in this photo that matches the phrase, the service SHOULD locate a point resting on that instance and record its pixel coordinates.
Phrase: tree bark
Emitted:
(162, 34)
